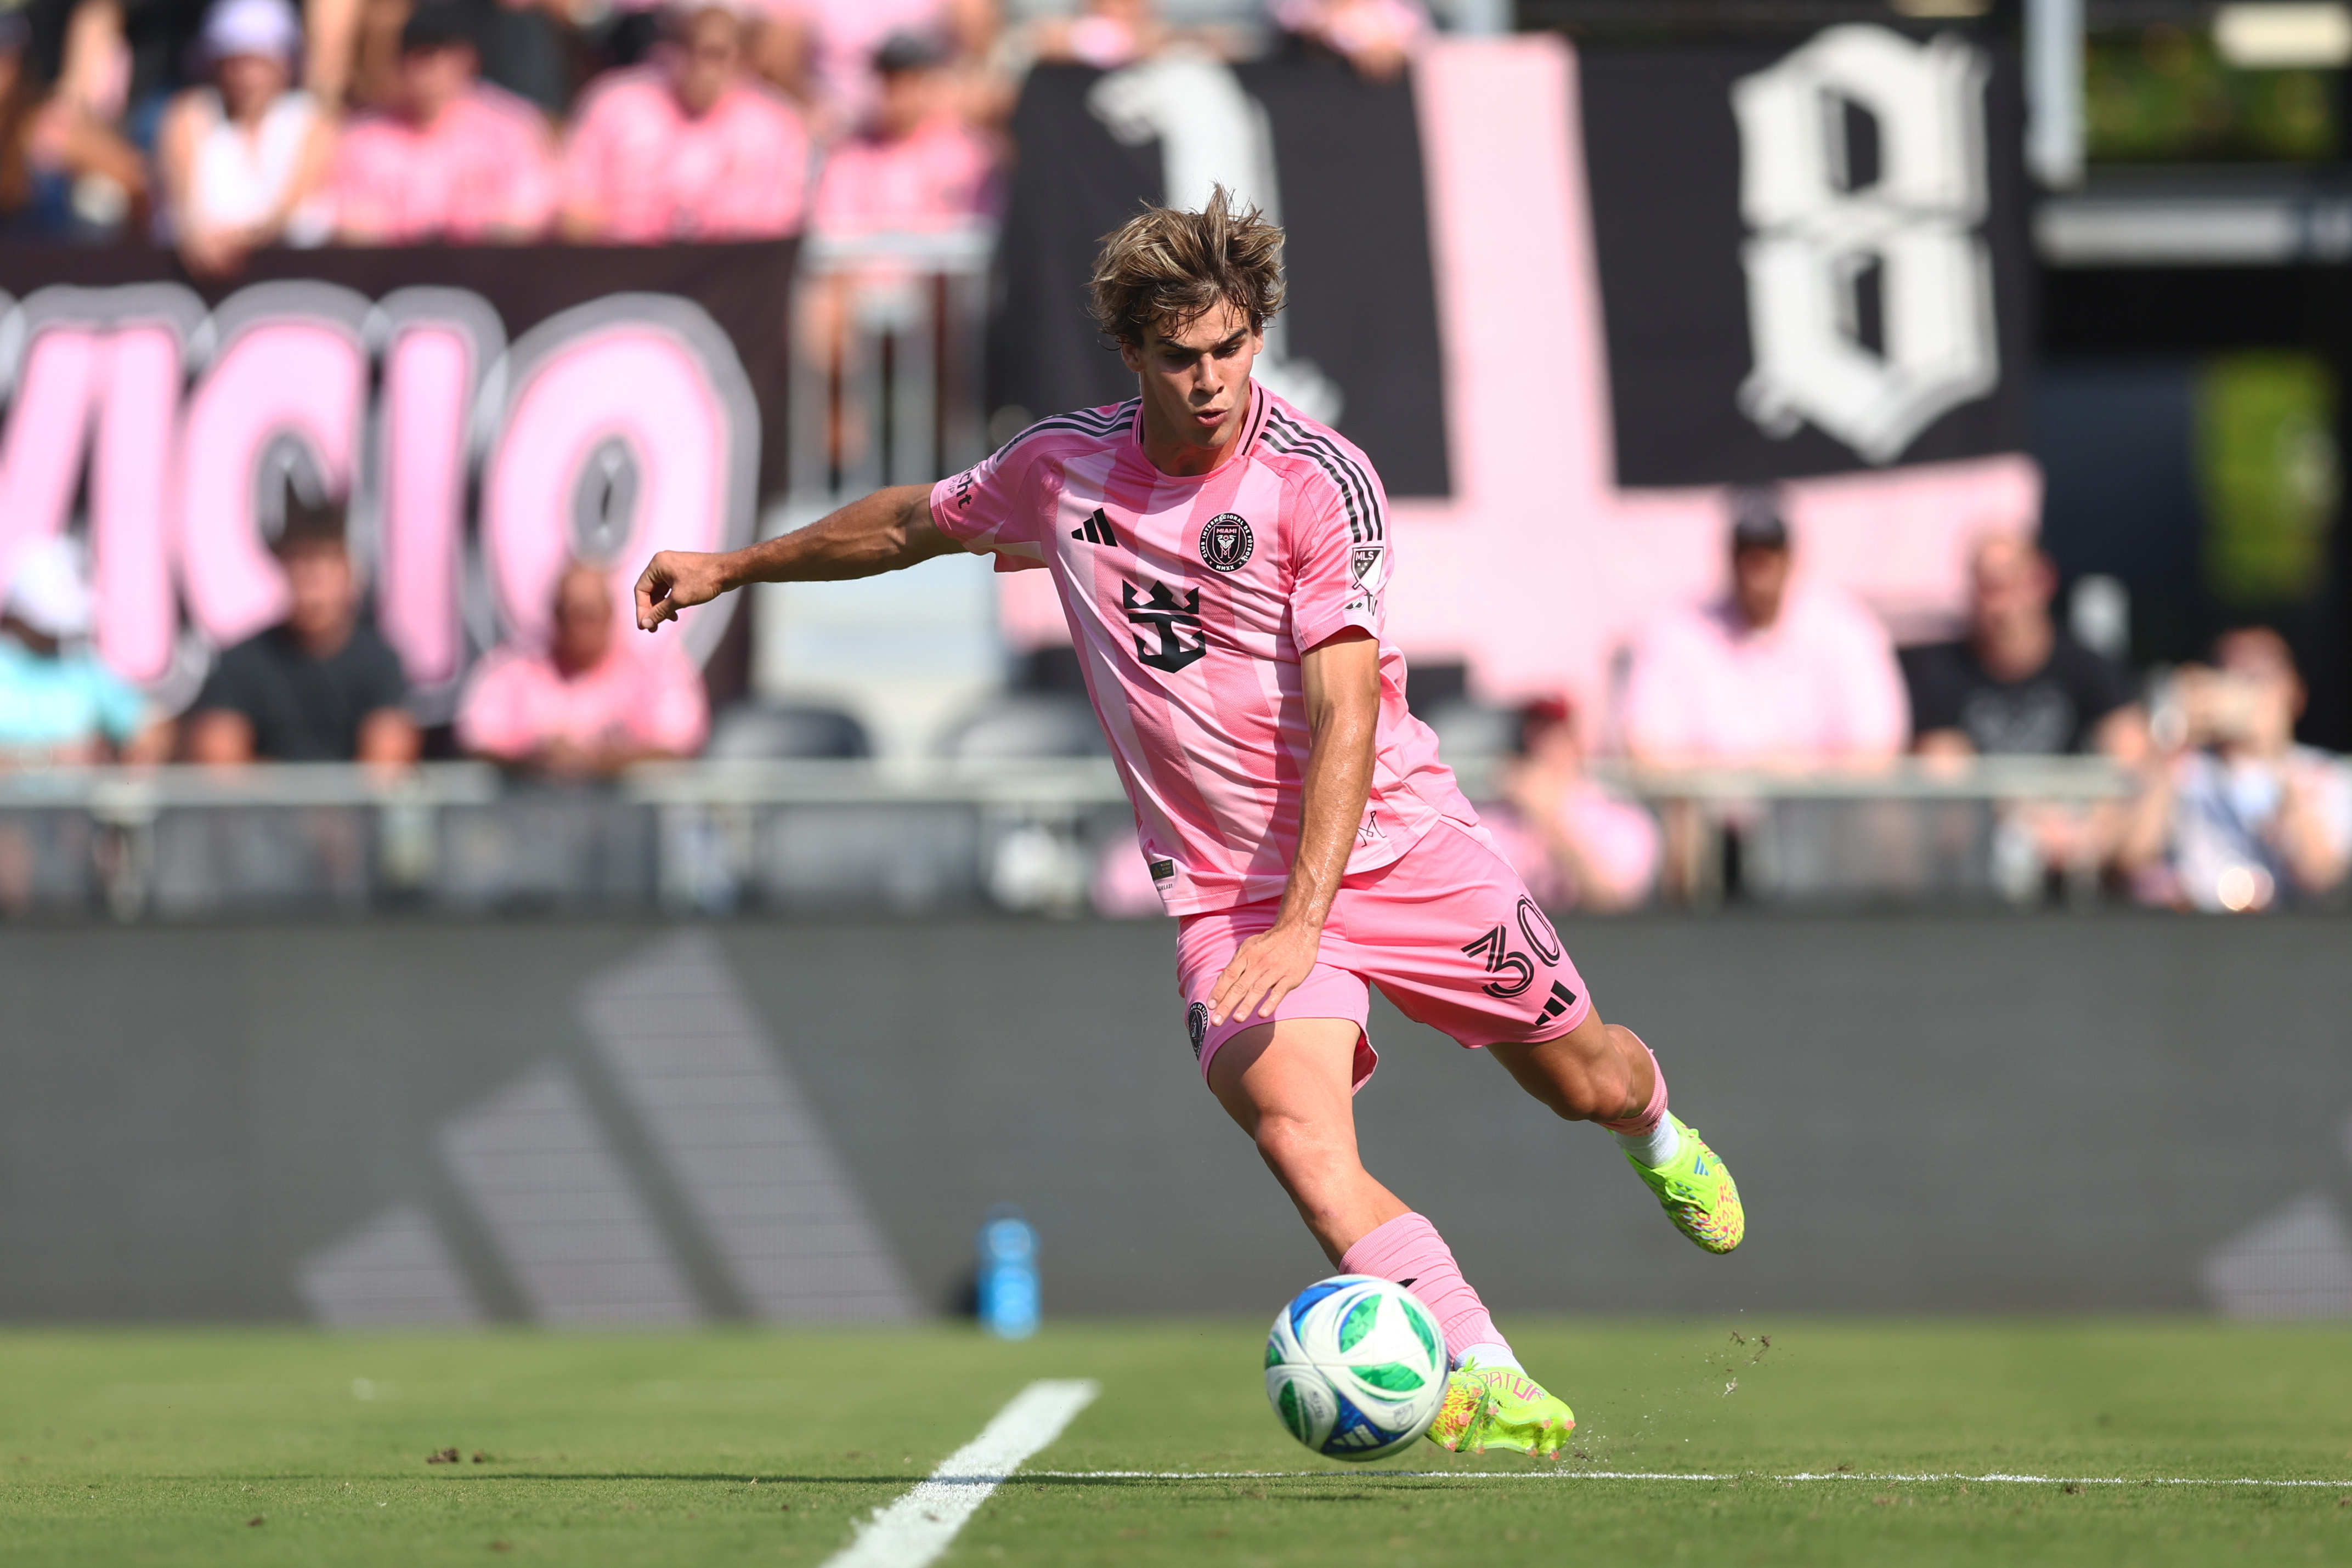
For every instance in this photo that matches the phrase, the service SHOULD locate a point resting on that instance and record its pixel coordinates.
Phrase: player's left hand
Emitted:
(1269, 966)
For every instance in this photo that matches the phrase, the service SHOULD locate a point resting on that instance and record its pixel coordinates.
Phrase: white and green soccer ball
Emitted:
(1355, 1367)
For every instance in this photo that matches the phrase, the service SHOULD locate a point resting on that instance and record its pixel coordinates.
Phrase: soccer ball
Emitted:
(1355, 1367)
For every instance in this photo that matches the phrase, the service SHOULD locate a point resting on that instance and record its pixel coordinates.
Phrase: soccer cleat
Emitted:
(1697, 1193)
(1500, 1409)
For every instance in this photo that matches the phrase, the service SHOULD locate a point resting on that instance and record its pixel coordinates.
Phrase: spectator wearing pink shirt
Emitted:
(689, 147)
(840, 39)
(456, 160)
(1773, 674)
(1575, 845)
(914, 167)
(590, 705)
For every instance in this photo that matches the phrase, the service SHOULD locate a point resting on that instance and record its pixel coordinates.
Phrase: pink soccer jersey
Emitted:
(1190, 600)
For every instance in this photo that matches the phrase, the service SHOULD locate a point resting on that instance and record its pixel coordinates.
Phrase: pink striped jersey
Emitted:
(1190, 600)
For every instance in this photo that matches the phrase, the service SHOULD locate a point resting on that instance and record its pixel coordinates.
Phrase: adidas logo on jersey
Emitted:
(1097, 530)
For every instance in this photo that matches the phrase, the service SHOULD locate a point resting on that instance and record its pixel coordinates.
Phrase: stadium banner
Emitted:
(1536, 561)
(1333, 158)
(1813, 259)
(490, 414)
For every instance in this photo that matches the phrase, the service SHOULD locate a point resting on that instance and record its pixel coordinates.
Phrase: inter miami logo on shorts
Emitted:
(1226, 541)
(1196, 1024)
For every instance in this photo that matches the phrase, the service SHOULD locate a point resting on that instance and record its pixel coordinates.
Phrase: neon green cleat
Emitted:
(1501, 1408)
(1697, 1193)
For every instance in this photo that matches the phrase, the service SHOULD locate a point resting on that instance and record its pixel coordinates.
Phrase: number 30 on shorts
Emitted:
(1495, 948)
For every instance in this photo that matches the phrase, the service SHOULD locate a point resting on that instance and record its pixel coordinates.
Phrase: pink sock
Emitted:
(1650, 1115)
(1409, 1251)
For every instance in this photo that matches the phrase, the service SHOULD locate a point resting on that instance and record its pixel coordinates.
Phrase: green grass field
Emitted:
(286, 1446)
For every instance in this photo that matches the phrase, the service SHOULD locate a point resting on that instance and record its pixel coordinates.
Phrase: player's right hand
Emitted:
(673, 581)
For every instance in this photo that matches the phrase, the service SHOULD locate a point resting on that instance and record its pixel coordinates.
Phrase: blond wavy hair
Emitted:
(1165, 269)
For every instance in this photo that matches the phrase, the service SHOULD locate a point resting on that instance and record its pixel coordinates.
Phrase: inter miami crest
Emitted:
(1196, 1024)
(1226, 541)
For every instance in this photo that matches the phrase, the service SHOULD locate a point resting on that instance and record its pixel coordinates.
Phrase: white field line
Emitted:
(916, 1527)
(1564, 1475)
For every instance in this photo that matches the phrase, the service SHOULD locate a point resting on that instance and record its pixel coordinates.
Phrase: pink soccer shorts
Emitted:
(1446, 931)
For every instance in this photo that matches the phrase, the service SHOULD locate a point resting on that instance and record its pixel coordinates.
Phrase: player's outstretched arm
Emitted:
(887, 531)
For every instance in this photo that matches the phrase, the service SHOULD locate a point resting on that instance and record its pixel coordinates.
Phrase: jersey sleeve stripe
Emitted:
(1366, 489)
(1084, 421)
(1364, 518)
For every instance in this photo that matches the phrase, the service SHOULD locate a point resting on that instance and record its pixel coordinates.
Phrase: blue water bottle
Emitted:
(1008, 1274)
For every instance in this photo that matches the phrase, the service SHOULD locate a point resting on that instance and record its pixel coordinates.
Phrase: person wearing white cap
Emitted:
(244, 161)
(59, 704)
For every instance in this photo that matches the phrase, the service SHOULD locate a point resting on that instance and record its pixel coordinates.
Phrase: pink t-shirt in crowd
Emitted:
(936, 178)
(645, 693)
(1820, 685)
(652, 173)
(844, 36)
(484, 168)
(1190, 600)
(1619, 838)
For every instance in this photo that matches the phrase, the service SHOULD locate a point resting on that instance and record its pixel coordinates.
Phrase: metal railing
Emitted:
(908, 835)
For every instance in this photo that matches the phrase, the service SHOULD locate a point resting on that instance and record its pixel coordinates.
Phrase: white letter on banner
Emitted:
(1816, 235)
(629, 428)
(290, 365)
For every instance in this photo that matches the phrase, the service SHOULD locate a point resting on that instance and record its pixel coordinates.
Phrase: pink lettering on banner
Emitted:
(283, 376)
(137, 619)
(617, 442)
(40, 458)
(429, 375)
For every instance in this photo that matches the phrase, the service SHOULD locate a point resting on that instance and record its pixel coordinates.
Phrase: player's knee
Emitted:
(1295, 1148)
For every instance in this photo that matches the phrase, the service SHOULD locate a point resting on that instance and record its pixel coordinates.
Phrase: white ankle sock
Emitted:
(1488, 1354)
(1657, 1147)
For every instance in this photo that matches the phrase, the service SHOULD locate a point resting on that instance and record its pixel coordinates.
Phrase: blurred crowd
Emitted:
(2221, 809)
(223, 126)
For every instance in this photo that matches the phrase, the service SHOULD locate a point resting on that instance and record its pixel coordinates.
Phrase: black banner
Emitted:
(1361, 324)
(1812, 257)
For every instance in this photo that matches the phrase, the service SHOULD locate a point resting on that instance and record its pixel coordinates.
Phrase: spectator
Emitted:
(1105, 34)
(60, 706)
(1573, 842)
(842, 38)
(245, 161)
(593, 702)
(914, 167)
(687, 148)
(2019, 685)
(1774, 674)
(456, 160)
(63, 174)
(2236, 815)
(322, 686)
(1376, 36)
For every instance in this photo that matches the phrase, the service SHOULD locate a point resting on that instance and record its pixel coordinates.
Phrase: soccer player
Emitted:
(1224, 561)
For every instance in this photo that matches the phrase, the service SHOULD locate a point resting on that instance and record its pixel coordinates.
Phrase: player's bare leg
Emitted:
(1602, 1073)
(1290, 1085)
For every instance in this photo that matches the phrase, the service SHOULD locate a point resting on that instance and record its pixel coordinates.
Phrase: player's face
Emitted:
(1195, 380)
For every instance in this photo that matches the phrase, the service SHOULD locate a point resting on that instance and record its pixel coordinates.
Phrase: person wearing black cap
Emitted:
(1777, 671)
(454, 159)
